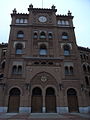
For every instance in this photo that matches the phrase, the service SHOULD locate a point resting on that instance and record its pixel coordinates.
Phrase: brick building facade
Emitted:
(42, 69)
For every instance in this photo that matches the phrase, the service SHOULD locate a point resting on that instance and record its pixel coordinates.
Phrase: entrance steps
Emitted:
(45, 115)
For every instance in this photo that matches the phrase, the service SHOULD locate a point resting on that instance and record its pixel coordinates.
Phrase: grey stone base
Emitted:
(58, 109)
(84, 109)
(63, 109)
(3, 109)
(25, 109)
(43, 109)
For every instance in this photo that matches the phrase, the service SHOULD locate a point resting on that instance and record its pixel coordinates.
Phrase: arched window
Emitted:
(88, 68)
(43, 50)
(84, 68)
(14, 69)
(71, 91)
(20, 34)
(64, 35)
(1, 76)
(19, 69)
(50, 91)
(3, 65)
(42, 35)
(35, 35)
(17, 20)
(81, 56)
(71, 70)
(66, 70)
(67, 22)
(87, 80)
(63, 22)
(25, 20)
(14, 92)
(36, 91)
(59, 22)
(66, 50)
(50, 36)
(19, 48)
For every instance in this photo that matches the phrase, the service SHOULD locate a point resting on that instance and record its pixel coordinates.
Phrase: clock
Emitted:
(42, 19)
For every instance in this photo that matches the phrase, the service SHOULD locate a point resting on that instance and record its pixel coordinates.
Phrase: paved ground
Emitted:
(44, 116)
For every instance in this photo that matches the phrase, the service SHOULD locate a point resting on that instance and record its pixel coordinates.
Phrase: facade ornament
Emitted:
(43, 78)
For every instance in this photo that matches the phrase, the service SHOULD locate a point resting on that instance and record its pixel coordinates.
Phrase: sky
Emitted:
(80, 10)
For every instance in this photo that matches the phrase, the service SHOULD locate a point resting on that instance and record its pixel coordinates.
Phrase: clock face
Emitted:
(42, 19)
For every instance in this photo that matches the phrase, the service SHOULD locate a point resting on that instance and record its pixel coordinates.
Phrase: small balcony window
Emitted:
(19, 48)
(20, 34)
(17, 69)
(42, 35)
(50, 36)
(43, 50)
(71, 70)
(64, 36)
(66, 70)
(35, 35)
(66, 50)
(14, 69)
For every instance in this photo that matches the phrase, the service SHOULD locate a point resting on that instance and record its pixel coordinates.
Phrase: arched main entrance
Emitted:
(50, 100)
(36, 102)
(72, 100)
(14, 100)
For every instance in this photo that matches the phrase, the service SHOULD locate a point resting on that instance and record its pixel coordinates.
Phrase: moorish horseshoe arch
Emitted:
(50, 100)
(72, 100)
(14, 100)
(36, 100)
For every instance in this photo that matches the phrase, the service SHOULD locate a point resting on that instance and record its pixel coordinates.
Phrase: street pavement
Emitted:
(44, 116)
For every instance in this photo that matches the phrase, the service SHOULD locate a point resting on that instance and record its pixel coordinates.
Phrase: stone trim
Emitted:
(84, 109)
(25, 109)
(3, 109)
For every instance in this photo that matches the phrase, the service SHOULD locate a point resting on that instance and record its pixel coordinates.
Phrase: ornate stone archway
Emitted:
(46, 82)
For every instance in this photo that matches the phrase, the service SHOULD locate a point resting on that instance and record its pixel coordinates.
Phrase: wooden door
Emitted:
(73, 104)
(36, 104)
(14, 102)
(72, 100)
(50, 104)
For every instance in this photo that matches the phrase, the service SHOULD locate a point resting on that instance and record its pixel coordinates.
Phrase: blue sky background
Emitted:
(80, 10)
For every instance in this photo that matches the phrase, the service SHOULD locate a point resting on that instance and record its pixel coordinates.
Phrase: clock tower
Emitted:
(41, 15)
